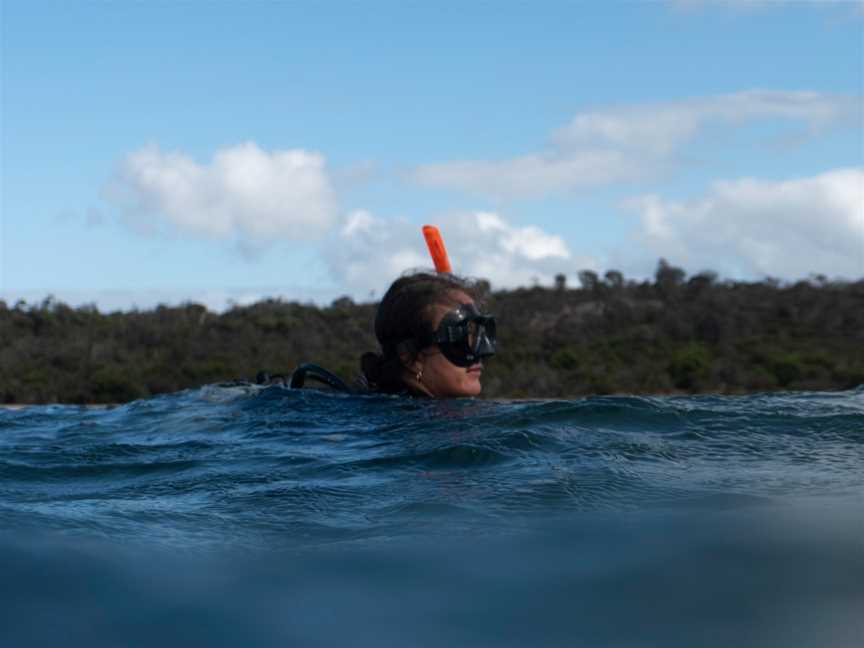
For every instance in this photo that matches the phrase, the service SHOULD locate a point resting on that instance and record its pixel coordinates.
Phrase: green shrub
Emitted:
(689, 365)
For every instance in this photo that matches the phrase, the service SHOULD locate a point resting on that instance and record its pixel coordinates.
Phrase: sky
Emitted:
(226, 152)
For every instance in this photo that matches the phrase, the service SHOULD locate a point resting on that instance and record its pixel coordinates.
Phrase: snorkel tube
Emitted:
(436, 248)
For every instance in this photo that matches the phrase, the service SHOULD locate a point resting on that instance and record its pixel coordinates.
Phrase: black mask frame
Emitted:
(465, 336)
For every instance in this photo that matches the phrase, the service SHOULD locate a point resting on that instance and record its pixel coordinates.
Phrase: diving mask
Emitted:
(465, 336)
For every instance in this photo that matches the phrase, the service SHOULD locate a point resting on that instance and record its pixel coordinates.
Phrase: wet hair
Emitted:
(406, 312)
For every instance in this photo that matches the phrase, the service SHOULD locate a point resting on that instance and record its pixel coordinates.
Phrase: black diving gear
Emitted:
(319, 374)
(465, 336)
(297, 379)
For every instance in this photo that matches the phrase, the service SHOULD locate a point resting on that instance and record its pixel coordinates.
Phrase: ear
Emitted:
(411, 361)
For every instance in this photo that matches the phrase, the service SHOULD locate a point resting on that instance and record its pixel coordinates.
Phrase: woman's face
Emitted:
(440, 377)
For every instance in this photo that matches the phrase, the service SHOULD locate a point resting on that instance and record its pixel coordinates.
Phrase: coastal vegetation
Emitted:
(672, 334)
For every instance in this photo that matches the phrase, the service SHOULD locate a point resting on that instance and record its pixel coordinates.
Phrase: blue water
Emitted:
(245, 516)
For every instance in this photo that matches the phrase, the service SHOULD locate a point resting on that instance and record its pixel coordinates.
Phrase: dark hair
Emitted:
(406, 312)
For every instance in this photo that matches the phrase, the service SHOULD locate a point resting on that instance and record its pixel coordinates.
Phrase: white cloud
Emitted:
(530, 242)
(625, 143)
(531, 175)
(787, 229)
(244, 194)
(662, 127)
(371, 252)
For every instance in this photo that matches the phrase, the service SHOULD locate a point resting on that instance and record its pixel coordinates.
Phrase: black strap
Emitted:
(320, 374)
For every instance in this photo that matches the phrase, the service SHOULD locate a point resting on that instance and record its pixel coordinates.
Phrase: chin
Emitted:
(472, 389)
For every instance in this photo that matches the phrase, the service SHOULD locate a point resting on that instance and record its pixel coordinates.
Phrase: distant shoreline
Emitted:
(675, 335)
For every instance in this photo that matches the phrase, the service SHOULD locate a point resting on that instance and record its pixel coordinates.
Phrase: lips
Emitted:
(475, 369)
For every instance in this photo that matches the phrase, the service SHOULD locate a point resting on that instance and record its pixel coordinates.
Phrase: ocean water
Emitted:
(249, 516)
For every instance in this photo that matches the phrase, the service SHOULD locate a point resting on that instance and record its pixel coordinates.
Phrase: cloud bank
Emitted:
(244, 194)
(251, 196)
(369, 252)
(747, 227)
(787, 229)
(627, 143)
(533, 175)
(661, 128)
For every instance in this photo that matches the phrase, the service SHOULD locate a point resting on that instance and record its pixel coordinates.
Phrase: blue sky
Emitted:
(222, 151)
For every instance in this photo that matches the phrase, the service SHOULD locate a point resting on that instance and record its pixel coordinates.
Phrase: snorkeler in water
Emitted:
(432, 333)
(433, 338)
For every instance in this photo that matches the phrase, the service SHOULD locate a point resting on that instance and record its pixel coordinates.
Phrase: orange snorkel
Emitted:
(436, 248)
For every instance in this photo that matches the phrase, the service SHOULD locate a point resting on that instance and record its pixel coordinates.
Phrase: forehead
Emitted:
(459, 297)
(455, 299)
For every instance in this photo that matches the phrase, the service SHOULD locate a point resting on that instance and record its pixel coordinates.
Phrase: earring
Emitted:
(419, 376)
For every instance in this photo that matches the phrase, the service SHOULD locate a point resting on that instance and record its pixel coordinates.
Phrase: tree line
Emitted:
(671, 334)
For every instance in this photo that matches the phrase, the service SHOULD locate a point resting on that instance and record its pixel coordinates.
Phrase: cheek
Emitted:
(449, 379)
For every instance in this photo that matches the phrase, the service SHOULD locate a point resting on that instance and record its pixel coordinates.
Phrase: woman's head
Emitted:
(409, 326)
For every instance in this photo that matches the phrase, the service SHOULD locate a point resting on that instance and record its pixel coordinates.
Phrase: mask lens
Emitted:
(471, 334)
(466, 336)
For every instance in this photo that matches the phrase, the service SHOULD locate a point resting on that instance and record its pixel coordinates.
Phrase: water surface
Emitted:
(251, 516)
